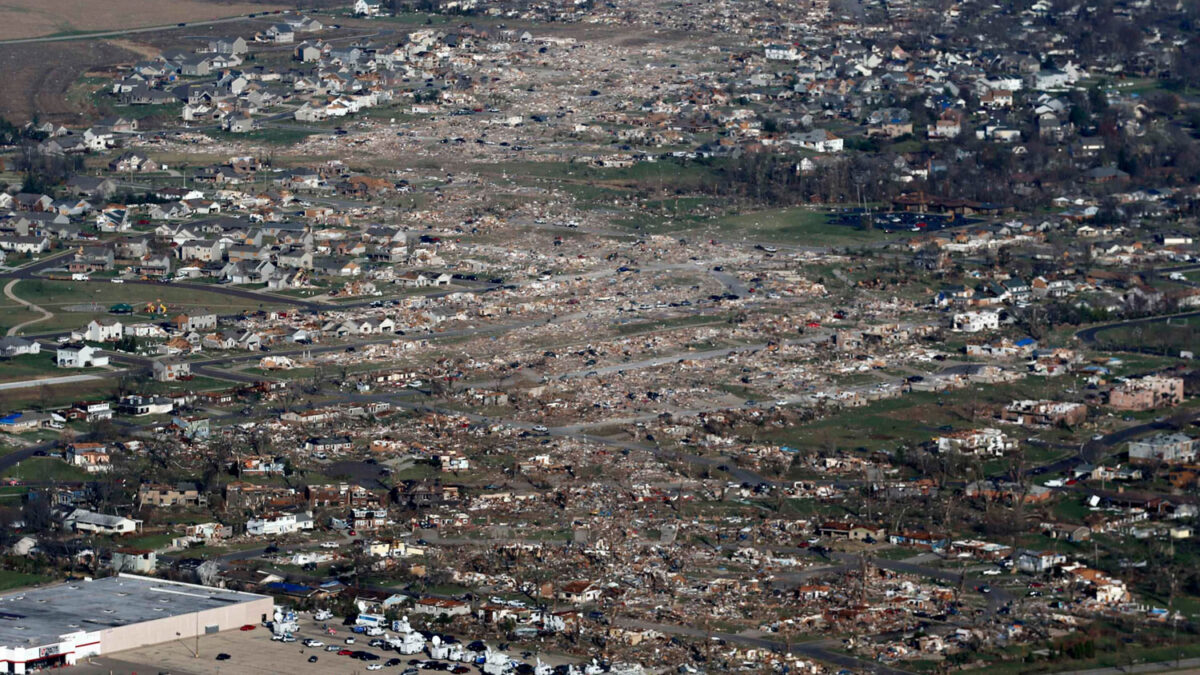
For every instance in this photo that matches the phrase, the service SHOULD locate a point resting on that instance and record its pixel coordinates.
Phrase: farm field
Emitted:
(26, 18)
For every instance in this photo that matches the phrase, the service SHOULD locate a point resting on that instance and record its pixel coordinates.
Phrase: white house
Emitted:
(818, 140)
(580, 592)
(368, 8)
(279, 523)
(134, 561)
(974, 322)
(78, 355)
(82, 520)
(103, 330)
(779, 52)
(1036, 562)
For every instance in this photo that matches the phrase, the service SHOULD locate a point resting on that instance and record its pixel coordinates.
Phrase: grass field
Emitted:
(798, 225)
(45, 469)
(29, 18)
(9, 580)
(57, 296)
(36, 366)
(271, 136)
(150, 541)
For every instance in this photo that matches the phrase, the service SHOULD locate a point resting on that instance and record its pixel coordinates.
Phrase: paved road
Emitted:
(1184, 665)
(1089, 334)
(1095, 450)
(122, 31)
(66, 379)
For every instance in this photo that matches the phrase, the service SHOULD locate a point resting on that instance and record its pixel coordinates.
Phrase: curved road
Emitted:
(1089, 334)
(8, 293)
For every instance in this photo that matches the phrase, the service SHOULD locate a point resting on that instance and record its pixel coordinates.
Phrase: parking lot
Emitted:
(249, 652)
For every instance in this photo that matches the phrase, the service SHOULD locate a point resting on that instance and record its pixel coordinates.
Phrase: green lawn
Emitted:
(51, 294)
(799, 225)
(45, 469)
(10, 580)
(911, 418)
(35, 366)
(55, 395)
(58, 296)
(150, 541)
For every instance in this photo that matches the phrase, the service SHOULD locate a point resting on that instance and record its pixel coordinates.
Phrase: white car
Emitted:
(991, 573)
(375, 666)
(541, 429)
(118, 281)
(330, 544)
(313, 643)
(349, 640)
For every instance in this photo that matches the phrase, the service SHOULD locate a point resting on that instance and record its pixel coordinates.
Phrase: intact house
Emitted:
(82, 520)
(103, 330)
(1037, 562)
(15, 346)
(134, 560)
(197, 321)
(441, 606)
(368, 8)
(79, 355)
(138, 405)
(818, 140)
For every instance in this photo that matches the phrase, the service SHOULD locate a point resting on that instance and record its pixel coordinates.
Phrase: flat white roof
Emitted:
(41, 616)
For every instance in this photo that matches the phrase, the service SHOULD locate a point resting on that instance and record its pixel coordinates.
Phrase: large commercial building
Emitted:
(58, 625)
